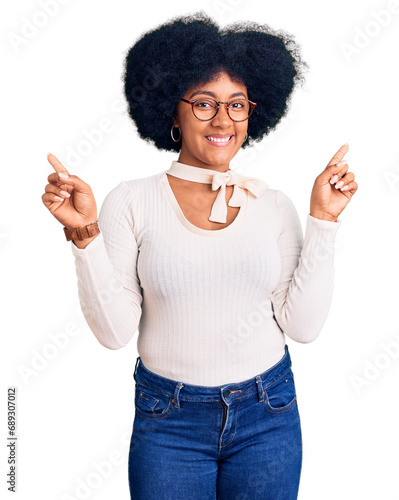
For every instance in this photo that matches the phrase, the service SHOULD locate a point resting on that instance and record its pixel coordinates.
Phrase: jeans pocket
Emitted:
(280, 395)
(151, 403)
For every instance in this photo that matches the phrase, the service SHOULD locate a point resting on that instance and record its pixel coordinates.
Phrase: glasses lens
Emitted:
(204, 109)
(239, 109)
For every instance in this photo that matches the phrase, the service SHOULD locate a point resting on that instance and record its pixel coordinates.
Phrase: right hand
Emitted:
(77, 210)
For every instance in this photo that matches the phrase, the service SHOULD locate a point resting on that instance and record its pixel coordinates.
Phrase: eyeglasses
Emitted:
(206, 108)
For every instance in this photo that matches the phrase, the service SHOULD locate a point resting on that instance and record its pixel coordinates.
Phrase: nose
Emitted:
(222, 117)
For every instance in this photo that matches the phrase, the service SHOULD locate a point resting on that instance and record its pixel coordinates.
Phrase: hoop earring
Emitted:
(171, 133)
(246, 137)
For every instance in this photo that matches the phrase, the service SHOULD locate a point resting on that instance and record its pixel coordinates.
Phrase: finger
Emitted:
(348, 177)
(339, 155)
(341, 172)
(54, 180)
(351, 188)
(63, 193)
(56, 164)
(49, 198)
(345, 179)
(72, 180)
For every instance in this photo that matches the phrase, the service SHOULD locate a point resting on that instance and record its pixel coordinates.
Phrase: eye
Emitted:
(236, 105)
(205, 104)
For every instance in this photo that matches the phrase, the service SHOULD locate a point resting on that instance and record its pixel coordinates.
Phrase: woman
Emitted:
(211, 266)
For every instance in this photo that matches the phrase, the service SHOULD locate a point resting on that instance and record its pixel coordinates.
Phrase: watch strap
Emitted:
(81, 233)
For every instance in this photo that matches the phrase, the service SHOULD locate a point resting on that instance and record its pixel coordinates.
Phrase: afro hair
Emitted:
(186, 50)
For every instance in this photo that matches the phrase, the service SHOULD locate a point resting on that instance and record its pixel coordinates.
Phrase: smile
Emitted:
(219, 141)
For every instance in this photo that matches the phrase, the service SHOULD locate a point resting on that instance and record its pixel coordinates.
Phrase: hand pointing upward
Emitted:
(333, 188)
(69, 199)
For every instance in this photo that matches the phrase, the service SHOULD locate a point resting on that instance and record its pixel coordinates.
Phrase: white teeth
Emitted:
(214, 139)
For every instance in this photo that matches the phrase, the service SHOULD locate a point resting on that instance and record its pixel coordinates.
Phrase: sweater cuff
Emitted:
(320, 236)
(324, 223)
(91, 248)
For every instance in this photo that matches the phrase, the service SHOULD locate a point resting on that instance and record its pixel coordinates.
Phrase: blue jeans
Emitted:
(238, 441)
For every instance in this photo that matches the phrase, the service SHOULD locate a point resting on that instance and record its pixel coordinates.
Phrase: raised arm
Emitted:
(109, 288)
(301, 301)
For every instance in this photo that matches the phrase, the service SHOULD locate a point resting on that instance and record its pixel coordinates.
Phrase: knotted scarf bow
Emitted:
(220, 180)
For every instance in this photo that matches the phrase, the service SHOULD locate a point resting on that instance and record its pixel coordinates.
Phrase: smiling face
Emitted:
(196, 149)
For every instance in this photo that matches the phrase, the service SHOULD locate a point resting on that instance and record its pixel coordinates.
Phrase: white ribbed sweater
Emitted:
(211, 306)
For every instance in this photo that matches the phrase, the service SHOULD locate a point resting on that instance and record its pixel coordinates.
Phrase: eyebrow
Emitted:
(208, 92)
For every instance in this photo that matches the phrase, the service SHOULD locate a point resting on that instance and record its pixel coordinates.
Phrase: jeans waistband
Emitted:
(228, 391)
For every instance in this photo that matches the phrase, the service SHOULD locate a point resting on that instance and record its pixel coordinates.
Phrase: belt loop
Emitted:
(178, 387)
(260, 387)
(135, 368)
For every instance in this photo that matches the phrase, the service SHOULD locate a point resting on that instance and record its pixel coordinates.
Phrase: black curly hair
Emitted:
(186, 50)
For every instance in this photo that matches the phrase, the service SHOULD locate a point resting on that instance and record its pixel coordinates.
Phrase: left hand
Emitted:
(327, 201)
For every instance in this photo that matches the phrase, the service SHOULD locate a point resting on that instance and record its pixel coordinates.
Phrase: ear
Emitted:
(175, 120)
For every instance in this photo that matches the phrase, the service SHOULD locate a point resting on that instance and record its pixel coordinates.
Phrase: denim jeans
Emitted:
(238, 441)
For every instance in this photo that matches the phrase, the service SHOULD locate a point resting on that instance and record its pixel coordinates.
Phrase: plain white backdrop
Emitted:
(62, 79)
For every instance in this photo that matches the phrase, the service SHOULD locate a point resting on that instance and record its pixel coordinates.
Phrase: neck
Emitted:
(189, 159)
(194, 187)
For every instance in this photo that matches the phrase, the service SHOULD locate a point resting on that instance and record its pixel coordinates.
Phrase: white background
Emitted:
(76, 409)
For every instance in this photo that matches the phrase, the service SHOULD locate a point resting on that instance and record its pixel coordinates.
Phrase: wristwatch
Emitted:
(81, 233)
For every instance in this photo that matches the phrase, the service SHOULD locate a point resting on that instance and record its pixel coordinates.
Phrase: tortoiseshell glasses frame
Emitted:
(251, 103)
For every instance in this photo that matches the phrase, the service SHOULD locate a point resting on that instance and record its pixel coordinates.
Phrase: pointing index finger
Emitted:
(339, 155)
(56, 164)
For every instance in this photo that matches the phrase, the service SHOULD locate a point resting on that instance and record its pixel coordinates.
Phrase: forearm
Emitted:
(112, 309)
(302, 310)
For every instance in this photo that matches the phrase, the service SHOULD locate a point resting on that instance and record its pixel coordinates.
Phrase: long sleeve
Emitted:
(108, 286)
(302, 299)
